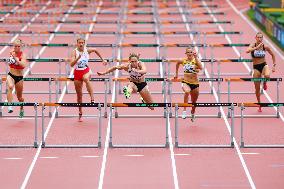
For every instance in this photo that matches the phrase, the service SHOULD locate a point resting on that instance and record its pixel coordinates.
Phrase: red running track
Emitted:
(143, 168)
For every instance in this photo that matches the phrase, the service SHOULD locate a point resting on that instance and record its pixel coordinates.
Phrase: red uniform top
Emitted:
(13, 65)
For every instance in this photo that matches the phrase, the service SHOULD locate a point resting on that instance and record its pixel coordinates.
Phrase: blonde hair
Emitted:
(133, 55)
(18, 42)
(258, 33)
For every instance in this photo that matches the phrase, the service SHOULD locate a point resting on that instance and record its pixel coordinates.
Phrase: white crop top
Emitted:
(83, 61)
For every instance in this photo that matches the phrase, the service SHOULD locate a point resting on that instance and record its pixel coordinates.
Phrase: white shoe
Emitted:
(183, 115)
(10, 109)
(192, 117)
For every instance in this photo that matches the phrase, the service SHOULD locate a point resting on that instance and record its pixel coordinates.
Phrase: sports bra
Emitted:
(189, 66)
(83, 61)
(133, 74)
(258, 53)
(12, 62)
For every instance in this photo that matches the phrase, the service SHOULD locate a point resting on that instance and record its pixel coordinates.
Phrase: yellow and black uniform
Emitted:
(189, 68)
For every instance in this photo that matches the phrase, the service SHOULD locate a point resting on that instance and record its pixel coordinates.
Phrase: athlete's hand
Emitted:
(100, 73)
(195, 54)
(259, 45)
(104, 62)
(13, 54)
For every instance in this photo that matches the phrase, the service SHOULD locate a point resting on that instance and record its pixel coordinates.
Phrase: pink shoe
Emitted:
(259, 109)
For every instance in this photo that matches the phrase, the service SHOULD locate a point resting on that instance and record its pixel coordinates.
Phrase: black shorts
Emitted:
(191, 86)
(16, 78)
(140, 86)
(259, 67)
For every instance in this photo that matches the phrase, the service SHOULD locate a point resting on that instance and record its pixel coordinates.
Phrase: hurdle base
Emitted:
(237, 92)
(18, 146)
(257, 116)
(177, 145)
(139, 116)
(111, 145)
(72, 116)
(262, 146)
(71, 145)
(203, 116)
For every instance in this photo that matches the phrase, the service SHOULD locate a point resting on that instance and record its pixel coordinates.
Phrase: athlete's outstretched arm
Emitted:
(112, 69)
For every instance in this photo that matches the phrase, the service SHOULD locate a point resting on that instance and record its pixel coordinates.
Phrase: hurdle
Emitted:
(245, 105)
(59, 61)
(49, 92)
(142, 105)
(117, 87)
(113, 13)
(231, 107)
(106, 82)
(230, 60)
(57, 105)
(254, 80)
(35, 144)
(218, 80)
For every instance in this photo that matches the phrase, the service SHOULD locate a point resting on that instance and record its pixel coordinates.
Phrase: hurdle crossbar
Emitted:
(49, 92)
(123, 33)
(117, 87)
(111, 13)
(178, 145)
(106, 84)
(142, 105)
(35, 144)
(243, 106)
(94, 105)
(218, 80)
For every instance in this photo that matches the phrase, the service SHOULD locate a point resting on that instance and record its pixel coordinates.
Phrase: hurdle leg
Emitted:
(42, 127)
(110, 126)
(49, 97)
(242, 127)
(167, 127)
(232, 125)
(277, 93)
(36, 120)
(1, 113)
(99, 126)
(176, 126)
(229, 96)
(105, 96)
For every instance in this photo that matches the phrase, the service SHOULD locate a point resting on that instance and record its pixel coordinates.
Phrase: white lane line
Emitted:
(12, 158)
(255, 29)
(223, 113)
(25, 182)
(182, 154)
(250, 153)
(26, 26)
(13, 10)
(89, 156)
(134, 155)
(17, 35)
(277, 165)
(171, 146)
(48, 157)
(245, 64)
(106, 145)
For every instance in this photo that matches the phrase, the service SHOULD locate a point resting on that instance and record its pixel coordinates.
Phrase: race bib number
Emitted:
(189, 68)
(82, 63)
(259, 53)
(11, 60)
